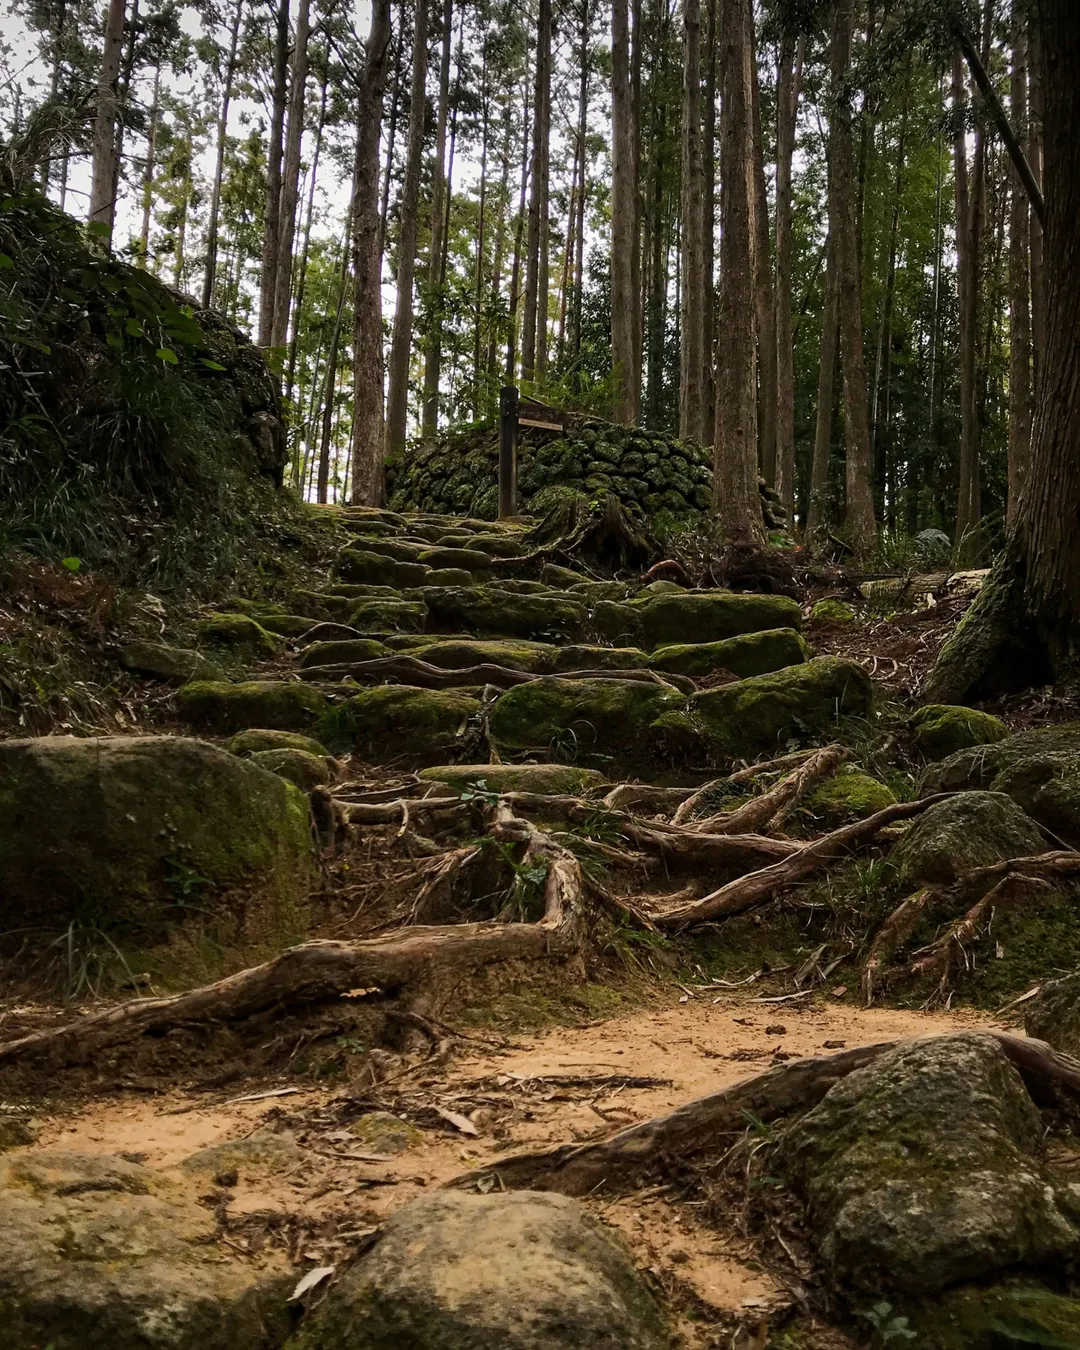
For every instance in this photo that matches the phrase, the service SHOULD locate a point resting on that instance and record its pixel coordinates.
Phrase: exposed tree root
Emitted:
(313, 972)
(412, 670)
(747, 891)
(980, 891)
(773, 807)
(670, 1141)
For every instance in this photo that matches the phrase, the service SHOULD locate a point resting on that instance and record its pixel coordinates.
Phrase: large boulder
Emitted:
(492, 611)
(131, 835)
(401, 723)
(224, 709)
(972, 829)
(755, 716)
(941, 729)
(1054, 1014)
(101, 1254)
(711, 616)
(751, 654)
(581, 719)
(346, 651)
(517, 1271)
(164, 662)
(924, 1169)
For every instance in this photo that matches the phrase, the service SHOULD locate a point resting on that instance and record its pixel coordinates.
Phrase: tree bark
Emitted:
(104, 175)
(148, 171)
(433, 306)
(579, 230)
(859, 513)
(533, 316)
(624, 242)
(290, 178)
(519, 234)
(305, 247)
(816, 511)
(736, 498)
(1036, 124)
(1019, 285)
(792, 54)
(219, 160)
(368, 432)
(692, 418)
(397, 405)
(272, 214)
(708, 210)
(764, 295)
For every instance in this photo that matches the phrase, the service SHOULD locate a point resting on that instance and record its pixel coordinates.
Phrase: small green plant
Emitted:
(888, 1327)
(184, 882)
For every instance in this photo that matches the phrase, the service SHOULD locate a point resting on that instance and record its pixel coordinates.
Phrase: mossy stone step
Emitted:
(401, 724)
(299, 767)
(468, 559)
(491, 611)
(242, 634)
(546, 778)
(166, 663)
(223, 709)
(750, 654)
(375, 617)
(585, 657)
(390, 546)
(941, 730)
(358, 565)
(711, 616)
(250, 742)
(580, 719)
(342, 653)
(457, 654)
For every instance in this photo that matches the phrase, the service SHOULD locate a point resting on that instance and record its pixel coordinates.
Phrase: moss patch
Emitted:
(299, 767)
(941, 730)
(400, 723)
(1010, 1316)
(262, 738)
(832, 611)
(533, 657)
(712, 616)
(227, 708)
(490, 610)
(345, 652)
(751, 654)
(241, 634)
(851, 795)
(358, 565)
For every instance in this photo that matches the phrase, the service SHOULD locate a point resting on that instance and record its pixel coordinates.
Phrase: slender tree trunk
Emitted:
(397, 406)
(290, 178)
(368, 477)
(543, 278)
(967, 233)
(764, 299)
(305, 248)
(148, 171)
(636, 289)
(391, 136)
(1019, 283)
(219, 159)
(124, 87)
(790, 78)
(492, 359)
(692, 214)
(104, 169)
(579, 233)
(859, 515)
(816, 513)
(708, 227)
(432, 338)
(535, 242)
(272, 215)
(481, 235)
(519, 234)
(330, 378)
(624, 302)
(736, 498)
(1036, 125)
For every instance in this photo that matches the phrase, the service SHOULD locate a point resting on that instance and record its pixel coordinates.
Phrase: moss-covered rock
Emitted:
(381, 1132)
(359, 566)
(751, 654)
(165, 662)
(241, 634)
(767, 712)
(224, 709)
(711, 616)
(346, 652)
(923, 1169)
(467, 559)
(832, 611)
(1054, 1014)
(305, 770)
(263, 738)
(387, 546)
(387, 616)
(1016, 1315)
(99, 1252)
(615, 621)
(850, 795)
(448, 576)
(287, 625)
(401, 724)
(977, 767)
(606, 719)
(972, 829)
(547, 778)
(513, 1271)
(533, 657)
(599, 658)
(941, 729)
(491, 611)
(128, 834)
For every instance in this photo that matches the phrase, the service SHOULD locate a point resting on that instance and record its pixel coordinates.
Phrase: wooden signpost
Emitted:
(515, 412)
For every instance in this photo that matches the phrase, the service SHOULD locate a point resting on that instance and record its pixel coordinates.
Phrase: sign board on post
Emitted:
(533, 414)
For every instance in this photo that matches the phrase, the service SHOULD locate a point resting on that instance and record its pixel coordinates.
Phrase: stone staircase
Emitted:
(439, 642)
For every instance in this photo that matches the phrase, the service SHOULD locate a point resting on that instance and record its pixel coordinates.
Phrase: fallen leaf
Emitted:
(311, 1281)
(839, 991)
(459, 1122)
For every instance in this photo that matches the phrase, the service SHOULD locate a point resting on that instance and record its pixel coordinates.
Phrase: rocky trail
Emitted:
(469, 880)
